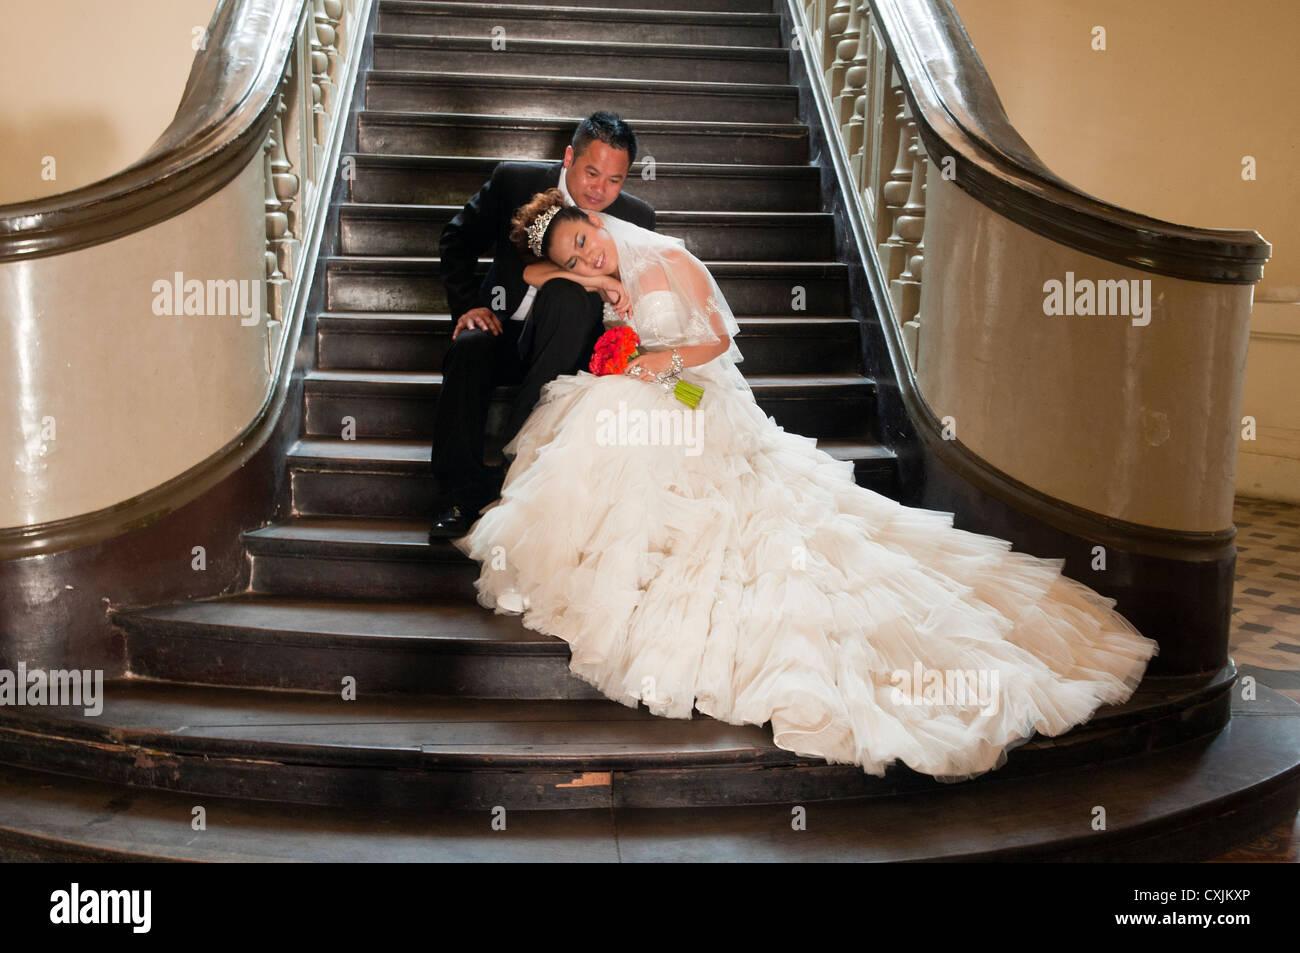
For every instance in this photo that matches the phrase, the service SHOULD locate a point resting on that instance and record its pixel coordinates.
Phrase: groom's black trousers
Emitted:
(558, 338)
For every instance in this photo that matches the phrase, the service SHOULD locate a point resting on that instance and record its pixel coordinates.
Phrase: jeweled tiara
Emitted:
(537, 230)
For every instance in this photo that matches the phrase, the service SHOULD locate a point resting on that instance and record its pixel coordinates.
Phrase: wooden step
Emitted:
(718, 6)
(448, 647)
(602, 57)
(705, 187)
(432, 752)
(412, 283)
(516, 137)
(410, 229)
(390, 478)
(546, 96)
(1245, 784)
(525, 21)
(403, 403)
(770, 345)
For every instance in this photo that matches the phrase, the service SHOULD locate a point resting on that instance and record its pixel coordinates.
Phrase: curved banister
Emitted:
(221, 123)
(1081, 438)
(949, 108)
(958, 113)
(252, 155)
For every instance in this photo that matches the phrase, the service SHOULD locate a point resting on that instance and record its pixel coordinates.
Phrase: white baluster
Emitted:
(895, 193)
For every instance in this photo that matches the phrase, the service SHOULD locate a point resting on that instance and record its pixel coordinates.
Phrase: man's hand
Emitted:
(481, 318)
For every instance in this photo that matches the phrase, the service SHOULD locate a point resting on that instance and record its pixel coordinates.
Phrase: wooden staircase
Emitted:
(456, 709)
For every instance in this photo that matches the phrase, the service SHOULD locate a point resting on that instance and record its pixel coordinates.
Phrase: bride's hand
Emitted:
(653, 362)
(612, 290)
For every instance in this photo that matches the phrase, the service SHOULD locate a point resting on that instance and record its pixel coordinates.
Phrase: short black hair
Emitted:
(607, 128)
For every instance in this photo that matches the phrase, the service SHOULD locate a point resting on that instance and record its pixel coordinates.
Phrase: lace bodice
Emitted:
(660, 320)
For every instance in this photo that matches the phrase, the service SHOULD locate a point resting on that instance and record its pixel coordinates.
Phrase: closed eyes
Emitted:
(573, 262)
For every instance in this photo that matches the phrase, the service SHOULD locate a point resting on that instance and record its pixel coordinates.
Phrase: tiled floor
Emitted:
(1265, 640)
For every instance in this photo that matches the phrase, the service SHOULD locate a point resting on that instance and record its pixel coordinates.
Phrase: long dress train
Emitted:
(712, 560)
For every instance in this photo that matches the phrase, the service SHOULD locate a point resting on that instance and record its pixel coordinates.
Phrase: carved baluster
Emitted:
(837, 52)
(323, 58)
(324, 35)
(850, 82)
(321, 98)
(277, 224)
(896, 190)
(856, 81)
(912, 328)
(286, 188)
(905, 290)
(333, 12)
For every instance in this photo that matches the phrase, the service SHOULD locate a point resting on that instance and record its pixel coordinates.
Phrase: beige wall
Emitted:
(92, 85)
(106, 398)
(1131, 416)
(1160, 122)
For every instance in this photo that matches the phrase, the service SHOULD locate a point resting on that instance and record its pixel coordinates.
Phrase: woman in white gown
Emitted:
(710, 560)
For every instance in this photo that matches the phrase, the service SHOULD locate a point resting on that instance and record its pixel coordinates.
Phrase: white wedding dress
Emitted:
(713, 561)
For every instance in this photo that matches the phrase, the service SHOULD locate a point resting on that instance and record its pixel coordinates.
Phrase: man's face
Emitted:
(595, 178)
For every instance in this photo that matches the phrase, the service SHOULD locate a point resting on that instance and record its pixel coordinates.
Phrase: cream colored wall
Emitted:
(1268, 465)
(1159, 122)
(1129, 416)
(91, 85)
(105, 398)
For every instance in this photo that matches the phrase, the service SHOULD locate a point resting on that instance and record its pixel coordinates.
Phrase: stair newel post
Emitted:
(896, 190)
(905, 290)
(846, 45)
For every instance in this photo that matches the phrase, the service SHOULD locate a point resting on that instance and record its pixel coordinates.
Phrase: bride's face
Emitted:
(584, 249)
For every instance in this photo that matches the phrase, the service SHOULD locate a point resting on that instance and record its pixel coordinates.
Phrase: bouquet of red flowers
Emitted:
(619, 345)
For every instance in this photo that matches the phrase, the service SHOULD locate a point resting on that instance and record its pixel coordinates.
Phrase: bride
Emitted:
(706, 559)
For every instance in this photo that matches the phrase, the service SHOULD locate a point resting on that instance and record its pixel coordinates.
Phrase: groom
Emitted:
(506, 332)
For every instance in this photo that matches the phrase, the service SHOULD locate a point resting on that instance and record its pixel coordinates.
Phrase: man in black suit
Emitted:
(506, 332)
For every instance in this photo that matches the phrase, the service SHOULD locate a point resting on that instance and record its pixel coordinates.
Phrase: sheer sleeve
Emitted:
(650, 262)
(710, 319)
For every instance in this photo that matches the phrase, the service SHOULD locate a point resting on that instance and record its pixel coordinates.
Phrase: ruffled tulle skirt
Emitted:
(713, 561)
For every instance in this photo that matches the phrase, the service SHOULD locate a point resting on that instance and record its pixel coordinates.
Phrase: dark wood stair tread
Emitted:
(600, 85)
(483, 165)
(396, 730)
(423, 379)
(1185, 803)
(435, 626)
(663, 217)
(412, 456)
(446, 42)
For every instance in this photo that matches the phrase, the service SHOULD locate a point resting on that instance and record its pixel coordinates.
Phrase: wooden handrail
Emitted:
(221, 123)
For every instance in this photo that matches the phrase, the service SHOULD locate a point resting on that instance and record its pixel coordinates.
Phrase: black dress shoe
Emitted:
(449, 523)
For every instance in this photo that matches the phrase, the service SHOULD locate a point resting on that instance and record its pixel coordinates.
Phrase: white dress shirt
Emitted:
(525, 306)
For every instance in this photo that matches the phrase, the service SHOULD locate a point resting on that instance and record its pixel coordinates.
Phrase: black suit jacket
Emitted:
(484, 223)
